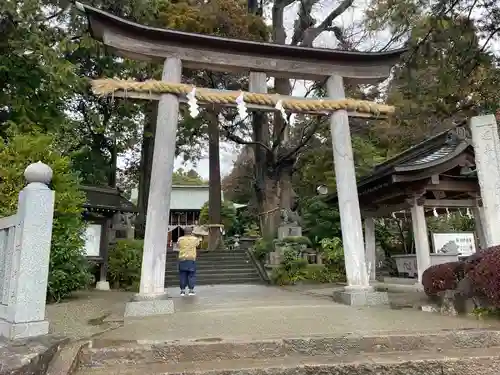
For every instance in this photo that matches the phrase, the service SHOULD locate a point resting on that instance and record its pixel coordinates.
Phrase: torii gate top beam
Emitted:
(197, 51)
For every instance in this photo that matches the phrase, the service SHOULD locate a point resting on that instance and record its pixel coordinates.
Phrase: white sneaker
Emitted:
(191, 293)
(183, 293)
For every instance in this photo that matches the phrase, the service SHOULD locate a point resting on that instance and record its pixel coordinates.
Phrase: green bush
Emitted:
(297, 243)
(245, 224)
(279, 276)
(321, 220)
(251, 230)
(228, 214)
(297, 240)
(125, 259)
(320, 273)
(292, 268)
(69, 269)
(332, 253)
(317, 273)
(261, 249)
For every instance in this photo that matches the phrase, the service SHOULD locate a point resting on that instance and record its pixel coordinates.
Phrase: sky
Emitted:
(229, 152)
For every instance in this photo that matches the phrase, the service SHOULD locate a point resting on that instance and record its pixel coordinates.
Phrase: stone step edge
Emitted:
(463, 361)
(205, 277)
(102, 351)
(236, 272)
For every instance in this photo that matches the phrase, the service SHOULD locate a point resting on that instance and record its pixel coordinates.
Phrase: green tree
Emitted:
(191, 177)
(449, 72)
(228, 215)
(69, 269)
(217, 17)
(34, 80)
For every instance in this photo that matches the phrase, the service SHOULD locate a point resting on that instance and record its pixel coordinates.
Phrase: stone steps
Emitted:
(453, 362)
(444, 353)
(216, 267)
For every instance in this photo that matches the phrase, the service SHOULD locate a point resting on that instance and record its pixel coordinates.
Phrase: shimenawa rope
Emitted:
(109, 86)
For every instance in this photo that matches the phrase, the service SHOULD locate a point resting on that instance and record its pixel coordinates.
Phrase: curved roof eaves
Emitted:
(229, 44)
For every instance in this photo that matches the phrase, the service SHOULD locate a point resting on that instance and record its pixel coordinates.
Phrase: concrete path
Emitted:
(260, 312)
(83, 315)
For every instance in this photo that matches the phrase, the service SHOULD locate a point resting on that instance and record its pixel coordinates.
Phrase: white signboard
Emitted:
(93, 240)
(452, 243)
(407, 264)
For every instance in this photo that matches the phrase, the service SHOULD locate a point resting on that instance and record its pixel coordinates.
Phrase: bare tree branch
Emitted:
(279, 33)
(304, 140)
(312, 33)
(237, 139)
(304, 21)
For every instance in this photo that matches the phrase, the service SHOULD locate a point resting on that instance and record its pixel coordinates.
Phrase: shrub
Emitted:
(321, 220)
(251, 230)
(261, 249)
(125, 259)
(279, 276)
(297, 240)
(296, 243)
(321, 274)
(228, 215)
(68, 269)
(485, 275)
(292, 268)
(332, 252)
(442, 277)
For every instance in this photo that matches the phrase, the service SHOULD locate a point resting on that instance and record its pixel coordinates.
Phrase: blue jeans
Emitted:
(187, 274)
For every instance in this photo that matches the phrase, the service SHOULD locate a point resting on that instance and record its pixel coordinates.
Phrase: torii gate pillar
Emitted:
(152, 298)
(358, 290)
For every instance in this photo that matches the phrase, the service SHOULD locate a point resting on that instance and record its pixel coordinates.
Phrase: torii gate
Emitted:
(180, 49)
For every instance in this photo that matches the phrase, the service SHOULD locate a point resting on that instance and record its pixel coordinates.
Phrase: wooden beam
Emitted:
(380, 199)
(227, 54)
(450, 203)
(457, 186)
(183, 99)
(434, 179)
(386, 211)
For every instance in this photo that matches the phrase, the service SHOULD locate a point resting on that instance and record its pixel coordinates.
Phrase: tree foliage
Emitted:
(445, 78)
(228, 215)
(34, 80)
(68, 267)
(190, 177)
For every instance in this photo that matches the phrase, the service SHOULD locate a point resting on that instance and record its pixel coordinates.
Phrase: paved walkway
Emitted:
(243, 312)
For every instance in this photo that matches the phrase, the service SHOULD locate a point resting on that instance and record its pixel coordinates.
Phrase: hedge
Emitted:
(485, 275)
(441, 277)
(481, 268)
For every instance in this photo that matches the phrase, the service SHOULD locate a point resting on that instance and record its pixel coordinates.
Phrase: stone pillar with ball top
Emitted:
(27, 258)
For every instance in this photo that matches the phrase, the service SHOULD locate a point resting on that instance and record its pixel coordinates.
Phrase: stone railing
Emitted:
(24, 257)
(7, 239)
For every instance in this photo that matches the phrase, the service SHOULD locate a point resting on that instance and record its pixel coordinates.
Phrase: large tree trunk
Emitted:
(215, 186)
(114, 162)
(148, 143)
(269, 207)
(281, 134)
(276, 181)
(266, 186)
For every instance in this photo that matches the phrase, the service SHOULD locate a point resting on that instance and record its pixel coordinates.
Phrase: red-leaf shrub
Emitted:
(442, 277)
(473, 260)
(485, 276)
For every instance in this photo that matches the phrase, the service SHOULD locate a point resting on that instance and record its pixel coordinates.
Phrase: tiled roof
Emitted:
(433, 156)
(107, 198)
